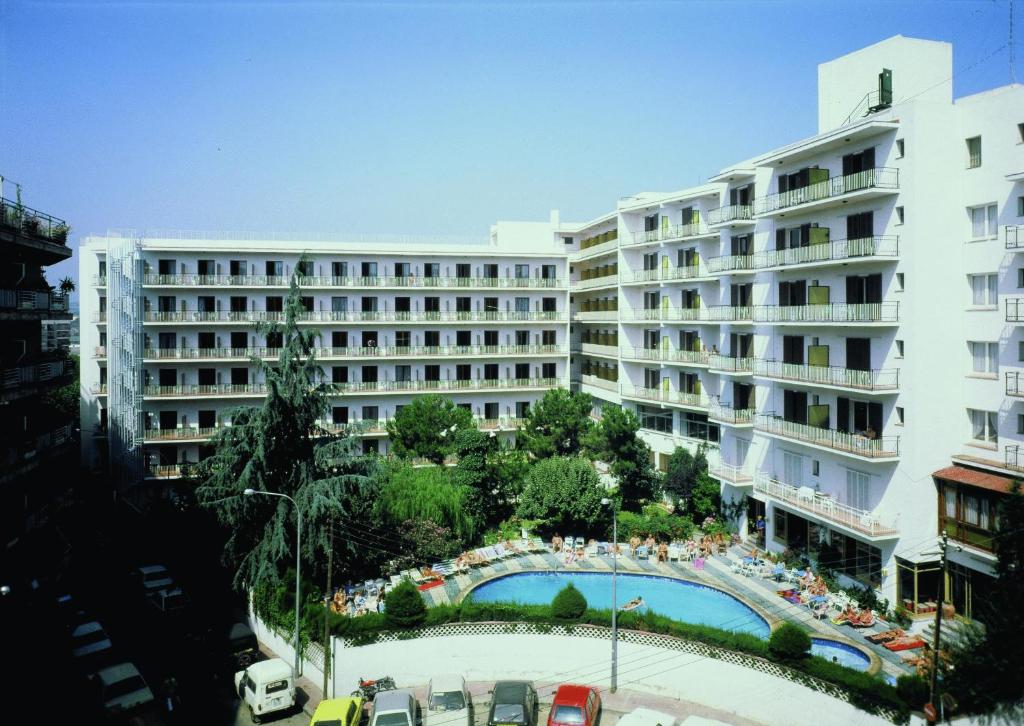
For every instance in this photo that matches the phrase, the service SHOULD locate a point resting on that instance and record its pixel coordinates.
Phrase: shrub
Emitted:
(569, 604)
(655, 521)
(913, 689)
(789, 643)
(404, 607)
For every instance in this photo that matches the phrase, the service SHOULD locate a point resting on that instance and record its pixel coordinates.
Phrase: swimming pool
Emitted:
(842, 653)
(683, 601)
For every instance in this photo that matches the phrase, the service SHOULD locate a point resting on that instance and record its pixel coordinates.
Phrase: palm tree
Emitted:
(67, 285)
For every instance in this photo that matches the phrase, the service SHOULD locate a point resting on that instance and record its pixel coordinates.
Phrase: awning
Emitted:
(975, 478)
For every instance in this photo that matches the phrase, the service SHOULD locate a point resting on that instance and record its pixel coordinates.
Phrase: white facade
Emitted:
(806, 312)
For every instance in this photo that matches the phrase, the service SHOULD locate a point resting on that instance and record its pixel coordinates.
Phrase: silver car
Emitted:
(448, 702)
(394, 708)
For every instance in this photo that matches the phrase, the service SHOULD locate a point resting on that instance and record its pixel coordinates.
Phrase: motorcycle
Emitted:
(369, 688)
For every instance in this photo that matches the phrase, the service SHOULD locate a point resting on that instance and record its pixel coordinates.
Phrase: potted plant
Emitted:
(30, 224)
(60, 233)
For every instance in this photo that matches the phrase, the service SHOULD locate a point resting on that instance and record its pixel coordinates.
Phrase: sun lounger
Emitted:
(907, 642)
(865, 620)
(500, 551)
(886, 635)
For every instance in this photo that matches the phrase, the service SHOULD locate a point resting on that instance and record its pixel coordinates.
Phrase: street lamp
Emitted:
(298, 563)
(615, 605)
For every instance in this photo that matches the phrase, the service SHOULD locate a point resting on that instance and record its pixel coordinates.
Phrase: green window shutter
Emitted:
(819, 235)
(696, 345)
(817, 416)
(818, 295)
(817, 355)
(818, 175)
(696, 300)
(695, 217)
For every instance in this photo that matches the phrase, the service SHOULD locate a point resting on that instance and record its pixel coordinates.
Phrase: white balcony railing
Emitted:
(328, 281)
(885, 447)
(885, 379)
(825, 508)
(388, 351)
(828, 313)
(341, 316)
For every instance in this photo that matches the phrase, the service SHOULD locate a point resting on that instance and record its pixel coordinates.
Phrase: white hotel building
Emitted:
(837, 318)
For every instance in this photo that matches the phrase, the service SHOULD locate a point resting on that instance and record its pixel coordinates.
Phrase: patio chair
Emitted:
(674, 552)
(500, 551)
(735, 565)
(593, 549)
(642, 553)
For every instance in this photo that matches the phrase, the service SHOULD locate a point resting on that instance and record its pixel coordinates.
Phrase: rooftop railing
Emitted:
(32, 223)
(878, 178)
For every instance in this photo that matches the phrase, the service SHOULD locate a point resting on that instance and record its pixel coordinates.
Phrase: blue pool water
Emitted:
(844, 654)
(682, 601)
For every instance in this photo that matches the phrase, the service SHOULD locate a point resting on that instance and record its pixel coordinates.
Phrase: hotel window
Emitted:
(463, 271)
(368, 269)
(339, 415)
(522, 304)
(984, 357)
(984, 426)
(339, 374)
(983, 221)
(548, 370)
(522, 409)
(968, 515)
(522, 272)
(403, 373)
(338, 269)
(973, 152)
(984, 290)
(432, 269)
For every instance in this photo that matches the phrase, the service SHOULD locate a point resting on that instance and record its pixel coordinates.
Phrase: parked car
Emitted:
(70, 612)
(394, 708)
(266, 687)
(153, 578)
(338, 712)
(513, 703)
(242, 645)
(448, 702)
(122, 689)
(89, 639)
(168, 601)
(648, 717)
(575, 706)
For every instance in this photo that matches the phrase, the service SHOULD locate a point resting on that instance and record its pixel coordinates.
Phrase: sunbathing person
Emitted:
(634, 542)
(886, 635)
(662, 552)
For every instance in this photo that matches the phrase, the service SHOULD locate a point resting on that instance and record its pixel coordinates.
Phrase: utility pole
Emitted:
(938, 626)
(327, 609)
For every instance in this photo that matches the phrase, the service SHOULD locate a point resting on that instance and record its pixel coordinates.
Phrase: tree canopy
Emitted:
(563, 492)
(427, 427)
(493, 473)
(615, 441)
(427, 493)
(557, 424)
(687, 481)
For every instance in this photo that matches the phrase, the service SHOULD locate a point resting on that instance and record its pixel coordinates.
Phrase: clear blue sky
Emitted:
(432, 118)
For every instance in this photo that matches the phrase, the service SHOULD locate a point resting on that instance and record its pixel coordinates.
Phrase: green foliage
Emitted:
(568, 604)
(563, 492)
(63, 403)
(615, 441)
(492, 472)
(789, 643)
(66, 284)
(280, 448)
(558, 424)
(404, 607)
(425, 541)
(987, 674)
(426, 428)
(426, 493)
(913, 689)
(655, 521)
(687, 481)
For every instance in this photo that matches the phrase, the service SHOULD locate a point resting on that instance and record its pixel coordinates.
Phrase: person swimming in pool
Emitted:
(633, 604)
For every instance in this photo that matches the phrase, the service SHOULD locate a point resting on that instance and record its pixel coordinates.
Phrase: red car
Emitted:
(575, 706)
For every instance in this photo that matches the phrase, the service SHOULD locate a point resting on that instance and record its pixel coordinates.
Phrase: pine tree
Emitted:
(280, 447)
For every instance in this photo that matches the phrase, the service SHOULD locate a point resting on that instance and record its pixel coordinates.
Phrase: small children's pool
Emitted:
(841, 653)
(683, 601)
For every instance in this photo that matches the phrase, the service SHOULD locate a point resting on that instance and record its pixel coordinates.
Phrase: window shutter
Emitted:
(843, 414)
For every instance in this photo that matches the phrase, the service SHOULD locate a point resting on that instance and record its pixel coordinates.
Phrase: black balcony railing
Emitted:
(1014, 383)
(1015, 237)
(1015, 310)
(1013, 459)
(882, 177)
(33, 223)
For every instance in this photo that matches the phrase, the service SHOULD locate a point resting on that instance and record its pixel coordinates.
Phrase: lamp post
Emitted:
(298, 563)
(615, 605)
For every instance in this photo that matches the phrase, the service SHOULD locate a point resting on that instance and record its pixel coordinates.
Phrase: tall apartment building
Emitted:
(33, 435)
(836, 319)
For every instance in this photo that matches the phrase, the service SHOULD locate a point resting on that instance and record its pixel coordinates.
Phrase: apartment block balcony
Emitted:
(731, 366)
(31, 378)
(1015, 384)
(178, 435)
(99, 389)
(666, 274)
(99, 280)
(875, 449)
(23, 454)
(163, 471)
(667, 234)
(1015, 310)
(829, 313)
(1013, 458)
(683, 399)
(731, 214)
(881, 247)
(596, 316)
(730, 313)
(608, 351)
(32, 304)
(44, 234)
(329, 281)
(736, 417)
(685, 357)
(100, 351)
(387, 351)
(1014, 235)
(255, 390)
(602, 244)
(589, 380)
(731, 263)
(826, 509)
(876, 379)
(195, 390)
(735, 475)
(862, 184)
(596, 282)
(100, 317)
(338, 316)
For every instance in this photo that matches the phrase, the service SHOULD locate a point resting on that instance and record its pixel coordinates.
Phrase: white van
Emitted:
(266, 687)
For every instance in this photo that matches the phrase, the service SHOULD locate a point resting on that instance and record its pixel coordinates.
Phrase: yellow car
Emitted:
(338, 712)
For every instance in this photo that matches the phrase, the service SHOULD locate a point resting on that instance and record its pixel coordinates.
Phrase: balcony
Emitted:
(1013, 384)
(1014, 237)
(667, 234)
(731, 366)
(737, 417)
(735, 475)
(256, 390)
(828, 313)
(588, 380)
(731, 214)
(328, 281)
(31, 304)
(731, 263)
(685, 357)
(1013, 458)
(840, 250)
(23, 452)
(100, 317)
(596, 316)
(337, 316)
(99, 389)
(1015, 310)
(195, 390)
(666, 274)
(730, 313)
(608, 351)
(100, 351)
(417, 351)
(44, 232)
(99, 280)
(667, 396)
(27, 379)
(885, 379)
(867, 183)
(596, 282)
(163, 471)
(883, 448)
(152, 436)
(826, 509)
